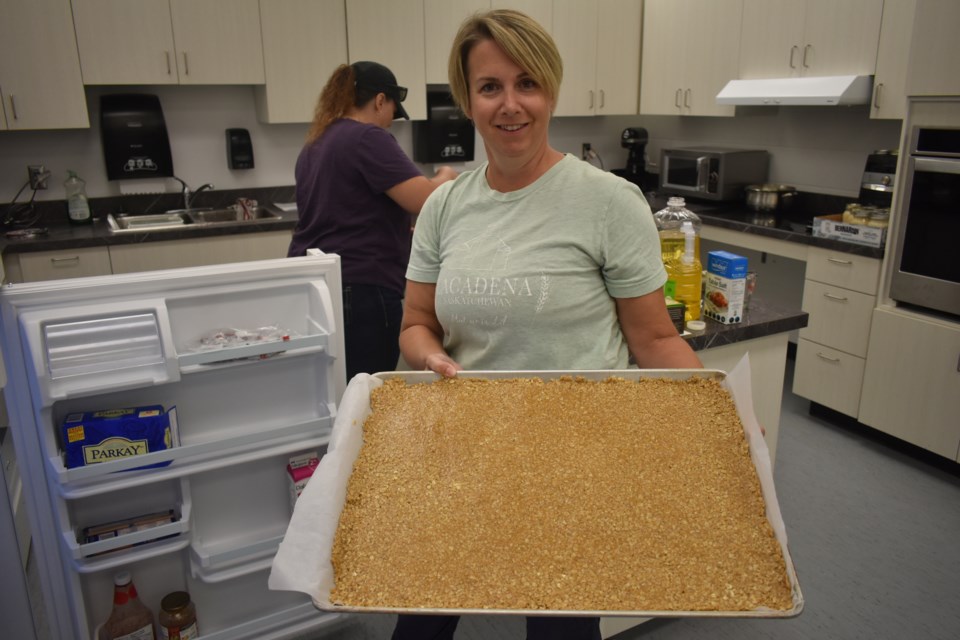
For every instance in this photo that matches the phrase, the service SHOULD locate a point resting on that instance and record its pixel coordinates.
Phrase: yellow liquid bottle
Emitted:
(684, 275)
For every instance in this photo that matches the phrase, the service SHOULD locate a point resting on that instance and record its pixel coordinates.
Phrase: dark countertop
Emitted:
(760, 320)
(790, 227)
(793, 226)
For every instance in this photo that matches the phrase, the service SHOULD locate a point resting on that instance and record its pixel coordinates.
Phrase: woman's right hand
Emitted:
(443, 364)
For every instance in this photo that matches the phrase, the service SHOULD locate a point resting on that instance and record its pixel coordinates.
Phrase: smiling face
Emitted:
(508, 107)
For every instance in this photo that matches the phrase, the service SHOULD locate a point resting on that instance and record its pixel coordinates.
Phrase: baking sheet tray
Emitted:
(303, 561)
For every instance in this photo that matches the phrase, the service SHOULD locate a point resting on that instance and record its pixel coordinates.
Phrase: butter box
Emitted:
(94, 437)
(299, 471)
(725, 287)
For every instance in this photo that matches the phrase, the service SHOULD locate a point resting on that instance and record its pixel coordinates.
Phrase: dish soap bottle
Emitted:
(130, 618)
(78, 208)
(685, 274)
(669, 223)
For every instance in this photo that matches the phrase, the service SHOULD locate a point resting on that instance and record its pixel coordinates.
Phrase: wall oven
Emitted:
(926, 259)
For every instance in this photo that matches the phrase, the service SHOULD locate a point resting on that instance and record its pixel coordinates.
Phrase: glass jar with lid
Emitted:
(878, 217)
(178, 617)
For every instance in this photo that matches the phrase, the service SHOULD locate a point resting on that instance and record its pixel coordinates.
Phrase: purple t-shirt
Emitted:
(341, 183)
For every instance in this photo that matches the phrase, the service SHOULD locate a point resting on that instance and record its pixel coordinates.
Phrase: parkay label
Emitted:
(113, 449)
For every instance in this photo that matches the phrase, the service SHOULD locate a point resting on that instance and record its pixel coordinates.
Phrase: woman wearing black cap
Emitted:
(356, 191)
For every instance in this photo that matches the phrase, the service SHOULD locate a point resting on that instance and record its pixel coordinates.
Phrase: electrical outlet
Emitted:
(38, 176)
(585, 151)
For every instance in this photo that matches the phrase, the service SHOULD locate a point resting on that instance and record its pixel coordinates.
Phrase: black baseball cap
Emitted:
(376, 77)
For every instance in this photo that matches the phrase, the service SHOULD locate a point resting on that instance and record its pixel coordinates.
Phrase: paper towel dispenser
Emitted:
(447, 135)
(134, 137)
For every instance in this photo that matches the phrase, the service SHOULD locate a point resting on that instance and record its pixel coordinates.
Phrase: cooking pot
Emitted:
(770, 197)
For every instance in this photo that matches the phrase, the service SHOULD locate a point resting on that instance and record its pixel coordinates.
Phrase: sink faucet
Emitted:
(188, 196)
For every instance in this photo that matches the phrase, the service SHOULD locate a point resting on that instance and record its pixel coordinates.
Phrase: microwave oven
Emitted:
(711, 173)
(926, 271)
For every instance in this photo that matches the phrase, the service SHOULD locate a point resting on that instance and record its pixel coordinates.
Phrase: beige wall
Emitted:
(819, 149)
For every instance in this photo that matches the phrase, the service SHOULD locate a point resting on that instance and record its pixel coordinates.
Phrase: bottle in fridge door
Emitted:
(130, 619)
(233, 369)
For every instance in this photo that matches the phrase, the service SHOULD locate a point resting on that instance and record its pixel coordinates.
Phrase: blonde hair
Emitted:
(523, 40)
(337, 97)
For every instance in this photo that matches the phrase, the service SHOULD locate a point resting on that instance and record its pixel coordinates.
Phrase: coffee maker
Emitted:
(635, 141)
(876, 185)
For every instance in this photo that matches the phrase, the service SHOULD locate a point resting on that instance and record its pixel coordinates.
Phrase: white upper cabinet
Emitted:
(890, 82)
(599, 41)
(392, 33)
(123, 42)
(442, 20)
(935, 50)
(788, 38)
(303, 42)
(169, 41)
(691, 49)
(40, 82)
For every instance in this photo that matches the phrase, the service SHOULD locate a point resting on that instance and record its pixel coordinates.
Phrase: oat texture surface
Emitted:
(568, 495)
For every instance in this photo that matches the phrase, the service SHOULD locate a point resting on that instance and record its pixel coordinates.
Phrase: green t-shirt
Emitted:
(526, 279)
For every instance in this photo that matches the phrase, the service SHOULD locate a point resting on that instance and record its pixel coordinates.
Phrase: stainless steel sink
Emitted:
(152, 222)
(178, 219)
(230, 214)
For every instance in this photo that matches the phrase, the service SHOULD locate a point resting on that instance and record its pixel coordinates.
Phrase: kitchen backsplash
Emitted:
(817, 149)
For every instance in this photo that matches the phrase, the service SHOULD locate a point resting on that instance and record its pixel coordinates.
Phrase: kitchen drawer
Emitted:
(839, 317)
(72, 263)
(829, 377)
(843, 270)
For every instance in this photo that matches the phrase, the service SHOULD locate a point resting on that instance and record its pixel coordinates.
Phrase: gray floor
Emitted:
(874, 534)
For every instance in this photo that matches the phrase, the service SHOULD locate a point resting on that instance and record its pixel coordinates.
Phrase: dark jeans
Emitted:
(411, 627)
(371, 332)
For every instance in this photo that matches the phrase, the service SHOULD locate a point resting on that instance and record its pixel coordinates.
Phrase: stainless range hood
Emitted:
(823, 90)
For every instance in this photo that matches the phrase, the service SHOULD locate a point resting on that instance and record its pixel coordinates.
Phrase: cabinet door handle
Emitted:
(676, 98)
(13, 107)
(166, 54)
(686, 98)
(186, 67)
(602, 100)
(806, 49)
(876, 95)
(828, 358)
(793, 52)
(831, 296)
(60, 262)
(591, 98)
(846, 263)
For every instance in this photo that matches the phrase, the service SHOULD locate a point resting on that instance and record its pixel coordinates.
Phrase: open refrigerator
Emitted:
(239, 412)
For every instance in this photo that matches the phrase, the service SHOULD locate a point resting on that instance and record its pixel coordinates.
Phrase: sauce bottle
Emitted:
(178, 617)
(685, 274)
(130, 618)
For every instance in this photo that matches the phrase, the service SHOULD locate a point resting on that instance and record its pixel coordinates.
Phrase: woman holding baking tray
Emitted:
(534, 260)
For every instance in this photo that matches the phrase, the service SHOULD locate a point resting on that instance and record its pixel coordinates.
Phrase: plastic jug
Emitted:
(669, 225)
(684, 275)
(78, 208)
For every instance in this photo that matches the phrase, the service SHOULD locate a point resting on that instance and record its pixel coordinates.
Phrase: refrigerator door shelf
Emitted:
(151, 542)
(214, 577)
(303, 345)
(83, 482)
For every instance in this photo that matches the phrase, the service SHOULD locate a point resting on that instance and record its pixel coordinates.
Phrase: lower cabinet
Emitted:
(56, 265)
(196, 252)
(839, 293)
(911, 387)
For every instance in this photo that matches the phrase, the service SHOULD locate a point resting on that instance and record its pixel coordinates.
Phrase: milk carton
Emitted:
(725, 287)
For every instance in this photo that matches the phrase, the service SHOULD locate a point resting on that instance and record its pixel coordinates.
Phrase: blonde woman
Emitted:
(534, 260)
(356, 193)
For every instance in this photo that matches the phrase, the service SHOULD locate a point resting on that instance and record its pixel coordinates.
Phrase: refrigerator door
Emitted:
(245, 363)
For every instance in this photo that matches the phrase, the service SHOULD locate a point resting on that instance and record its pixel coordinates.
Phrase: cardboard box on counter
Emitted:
(833, 226)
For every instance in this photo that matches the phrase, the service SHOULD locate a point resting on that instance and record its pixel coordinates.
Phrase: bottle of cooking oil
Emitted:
(669, 225)
(684, 274)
